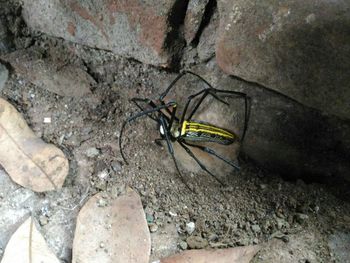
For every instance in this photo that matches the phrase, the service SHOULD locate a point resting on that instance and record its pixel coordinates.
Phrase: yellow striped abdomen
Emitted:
(205, 132)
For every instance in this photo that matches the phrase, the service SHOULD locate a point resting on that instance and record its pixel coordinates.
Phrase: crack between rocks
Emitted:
(207, 16)
(174, 40)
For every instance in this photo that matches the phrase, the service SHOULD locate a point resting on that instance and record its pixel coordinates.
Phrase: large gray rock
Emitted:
(285, 136)
(144, 30)
(67, 80)
(298, 48)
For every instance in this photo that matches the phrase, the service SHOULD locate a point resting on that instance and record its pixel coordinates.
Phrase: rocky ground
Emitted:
(293, 220)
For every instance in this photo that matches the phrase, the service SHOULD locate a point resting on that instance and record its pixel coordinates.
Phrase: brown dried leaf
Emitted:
(112, 230)
(28, 160)
(66, 80)
(230, 255)
(27, 245)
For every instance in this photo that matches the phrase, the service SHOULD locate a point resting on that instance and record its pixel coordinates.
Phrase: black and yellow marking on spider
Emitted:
(205, 132)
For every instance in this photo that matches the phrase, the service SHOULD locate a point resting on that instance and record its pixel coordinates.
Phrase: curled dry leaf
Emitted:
(112, 230)
(28, 160)
(230, 255)
(27, 245)
(66, 80)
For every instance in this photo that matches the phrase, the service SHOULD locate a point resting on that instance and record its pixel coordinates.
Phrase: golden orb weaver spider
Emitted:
(186, 131)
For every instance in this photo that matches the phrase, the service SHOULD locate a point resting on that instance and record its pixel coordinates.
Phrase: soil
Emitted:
(301, 222)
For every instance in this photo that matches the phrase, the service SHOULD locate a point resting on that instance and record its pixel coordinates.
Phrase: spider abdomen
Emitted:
(206, 132)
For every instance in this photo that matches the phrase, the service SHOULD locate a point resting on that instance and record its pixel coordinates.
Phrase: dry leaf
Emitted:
(112, 230)
(28, 160)
(27, 245)
(66, 80)
(229, 255)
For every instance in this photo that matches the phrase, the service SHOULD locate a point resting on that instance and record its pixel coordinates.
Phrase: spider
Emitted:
(184, 130)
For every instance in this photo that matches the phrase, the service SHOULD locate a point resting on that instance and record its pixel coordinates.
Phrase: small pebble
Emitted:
(196, 242)
(103, 174)
(116, 166)
(92, 152)
(301, 218)
(263, 186)
(213, 237)
(183, 245)
(149, 218)
(256, 228)
(43, 220)
(47, 120)
(190, 227)
(172, 214)
(153, 228)
(102, 245)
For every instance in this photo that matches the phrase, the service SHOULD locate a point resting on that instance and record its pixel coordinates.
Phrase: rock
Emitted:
(183, 245)
(138, 29)
(281, 223)
(196, 242)
(291, 139)
(3, 76)
(339, 244)
(190, 227)
(213, 237)
(206, 44)
(116, 166)
(149, 218)
(301, 218)
(172, 214)
(256, 229)
(68, 80)
(300, 49)
(263, 186)
(92, 152)
(153, 228)
(193, 19)
(43, 220)
(283, 135)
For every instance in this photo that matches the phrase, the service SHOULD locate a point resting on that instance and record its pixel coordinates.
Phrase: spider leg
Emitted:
(171, 151)
(172, 84)
(212, 152)
(148, 101)
(140, 114)
(199, 162)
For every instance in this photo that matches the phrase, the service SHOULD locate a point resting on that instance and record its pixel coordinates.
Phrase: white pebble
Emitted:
(47, 120)
(172, 213)
(190, 227)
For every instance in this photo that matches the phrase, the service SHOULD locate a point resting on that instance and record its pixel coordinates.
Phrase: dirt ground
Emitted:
(294, 221)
